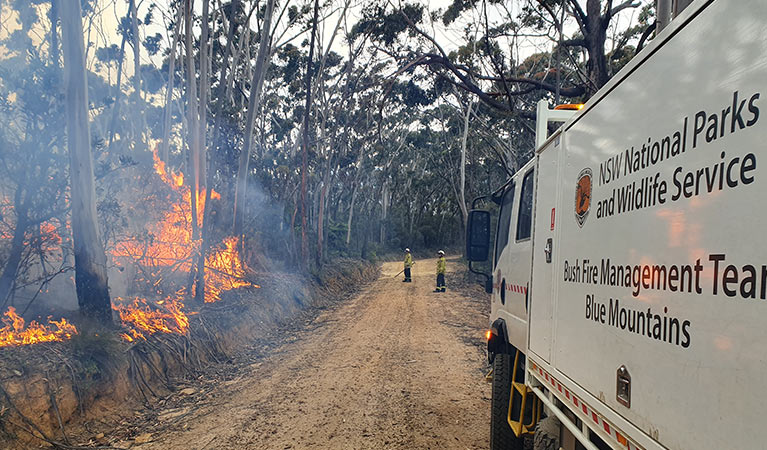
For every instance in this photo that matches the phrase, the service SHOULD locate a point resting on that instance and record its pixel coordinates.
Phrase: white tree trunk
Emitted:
(244, 39)
(137, 102)
(165, 150)
(262, 63)
(462, 186)
(351, 215)
(384, 210)
(192, 114)
(204, 93)
(90, 259)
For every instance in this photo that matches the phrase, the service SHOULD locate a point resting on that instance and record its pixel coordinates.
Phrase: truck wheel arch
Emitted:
(498, 341)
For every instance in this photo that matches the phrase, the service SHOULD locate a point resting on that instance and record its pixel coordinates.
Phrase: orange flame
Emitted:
(143, 320)
(159, 167)
(50, 238)
(223, 271)
(171, 244)
(15, 333)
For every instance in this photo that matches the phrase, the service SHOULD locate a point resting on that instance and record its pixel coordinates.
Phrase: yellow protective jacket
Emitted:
(441, 265)
(408, 261)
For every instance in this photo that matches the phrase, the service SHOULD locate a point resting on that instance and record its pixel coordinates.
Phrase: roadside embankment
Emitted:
(47, 389)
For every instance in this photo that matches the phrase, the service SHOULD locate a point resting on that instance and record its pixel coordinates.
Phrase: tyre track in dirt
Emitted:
(396, 367)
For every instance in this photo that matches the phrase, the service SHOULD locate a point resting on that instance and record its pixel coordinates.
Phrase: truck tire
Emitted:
(547, 434)
(501, 435)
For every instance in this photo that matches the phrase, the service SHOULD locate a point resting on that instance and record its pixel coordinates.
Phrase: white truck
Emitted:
(629, 280)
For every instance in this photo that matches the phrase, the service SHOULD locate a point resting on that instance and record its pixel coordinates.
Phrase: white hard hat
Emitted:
(441, 252)
(407, 250)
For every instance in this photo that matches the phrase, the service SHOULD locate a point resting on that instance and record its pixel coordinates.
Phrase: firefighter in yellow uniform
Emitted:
(440, 272)
(408, 264)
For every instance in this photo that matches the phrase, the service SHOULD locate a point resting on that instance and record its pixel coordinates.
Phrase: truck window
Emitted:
(525, 217)
(504, 222)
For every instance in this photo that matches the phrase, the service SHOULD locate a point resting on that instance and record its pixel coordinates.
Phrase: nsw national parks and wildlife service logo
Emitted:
(583, 196)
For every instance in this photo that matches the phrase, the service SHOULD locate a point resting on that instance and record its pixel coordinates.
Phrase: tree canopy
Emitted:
(411, 112)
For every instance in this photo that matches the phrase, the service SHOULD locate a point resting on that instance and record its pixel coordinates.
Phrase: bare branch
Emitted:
(580, 16)
(625, 5)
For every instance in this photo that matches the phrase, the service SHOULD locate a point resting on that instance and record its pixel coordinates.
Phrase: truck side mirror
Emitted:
(478, 235)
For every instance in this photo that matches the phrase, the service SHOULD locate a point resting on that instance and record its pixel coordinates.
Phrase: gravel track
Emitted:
(396, 367)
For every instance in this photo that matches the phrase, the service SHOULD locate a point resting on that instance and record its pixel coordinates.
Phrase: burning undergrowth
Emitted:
(142, 320)
(157, 258)
(164, 256)
(16, 332)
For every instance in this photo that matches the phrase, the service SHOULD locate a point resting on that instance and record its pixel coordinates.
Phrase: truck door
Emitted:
(544, 250)
(513, 253)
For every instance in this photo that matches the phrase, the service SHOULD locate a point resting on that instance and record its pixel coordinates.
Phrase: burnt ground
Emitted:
(395, 366)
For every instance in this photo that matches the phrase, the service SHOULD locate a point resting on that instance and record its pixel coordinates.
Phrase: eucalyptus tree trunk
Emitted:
(462, 185)
(595, 41)
(201, 175)
(118, 91)
(321, 213)
(305, 151)
(354, 197)
(165, 149)
(8, 277)
(244, 40)
(208, 172)
(328, 166)
(90, 260)
(204, 91)
(54, 16)
(662, 14)
(351, 214)
(222, 80)
(384, 211)
(323, 193)
(254, 101)
(137, 72)
(192, 114)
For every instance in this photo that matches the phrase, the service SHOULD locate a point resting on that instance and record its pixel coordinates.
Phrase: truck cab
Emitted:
(512, 256)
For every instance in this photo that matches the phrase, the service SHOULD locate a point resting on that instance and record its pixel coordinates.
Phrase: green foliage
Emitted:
(152, 44)
(337, 235)
(154, 81)
(386, 26)
(97, 354)
(109, 54)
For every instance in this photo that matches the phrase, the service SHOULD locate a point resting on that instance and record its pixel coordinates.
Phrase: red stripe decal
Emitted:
(578, 403)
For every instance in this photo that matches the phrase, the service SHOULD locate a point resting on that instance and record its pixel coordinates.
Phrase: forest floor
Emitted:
(396, 366)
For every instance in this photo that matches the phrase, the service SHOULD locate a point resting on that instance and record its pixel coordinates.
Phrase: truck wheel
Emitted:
(547, 434)
(501, 435)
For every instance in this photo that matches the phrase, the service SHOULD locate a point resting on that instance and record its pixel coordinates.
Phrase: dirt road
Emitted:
(398, 366)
